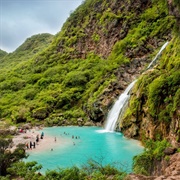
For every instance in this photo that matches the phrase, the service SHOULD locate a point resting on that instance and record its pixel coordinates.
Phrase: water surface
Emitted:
(91, 143)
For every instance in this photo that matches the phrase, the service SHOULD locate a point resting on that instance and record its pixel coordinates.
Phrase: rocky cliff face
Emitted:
(157, 118)
(101, 26)
(124, 74)
(174, 9)
(119, 21)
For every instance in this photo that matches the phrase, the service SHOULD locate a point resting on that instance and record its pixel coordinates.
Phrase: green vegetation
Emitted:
(154, 22)
(177, 3)
(12, 167)
(7, 158)
(55, 80)
(2, 53)
(52, 81)
(146, 162)
(23, 53)
(91, 171)
(157, 91)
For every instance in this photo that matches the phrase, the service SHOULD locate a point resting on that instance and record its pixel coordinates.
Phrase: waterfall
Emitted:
(118, 108)
(157, 55)
(120, 105)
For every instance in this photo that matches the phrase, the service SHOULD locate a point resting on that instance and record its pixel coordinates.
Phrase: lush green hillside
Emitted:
(101, 48)
(2, 53)
(27, 50)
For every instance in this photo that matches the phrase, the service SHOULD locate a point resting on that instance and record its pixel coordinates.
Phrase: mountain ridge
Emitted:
(29, 48)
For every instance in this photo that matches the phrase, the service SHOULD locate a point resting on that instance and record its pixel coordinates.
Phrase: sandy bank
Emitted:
(47, 143)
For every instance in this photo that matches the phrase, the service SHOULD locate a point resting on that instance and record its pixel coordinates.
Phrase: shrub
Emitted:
(154, 151)
(156, 94)
(76, 78)
(40, 113)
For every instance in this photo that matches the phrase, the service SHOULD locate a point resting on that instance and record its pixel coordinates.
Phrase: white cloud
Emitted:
(20, 19)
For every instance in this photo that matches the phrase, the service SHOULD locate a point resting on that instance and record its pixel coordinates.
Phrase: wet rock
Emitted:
(134, 130)
(169, 151)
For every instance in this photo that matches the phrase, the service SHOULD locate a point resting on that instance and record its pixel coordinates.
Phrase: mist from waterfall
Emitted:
(120, 105)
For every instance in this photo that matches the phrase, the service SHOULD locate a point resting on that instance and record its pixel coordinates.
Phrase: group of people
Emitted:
(37, 137)
(31, 144)
(73, 137)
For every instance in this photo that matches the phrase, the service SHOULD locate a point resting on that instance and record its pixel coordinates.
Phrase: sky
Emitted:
(20, 19)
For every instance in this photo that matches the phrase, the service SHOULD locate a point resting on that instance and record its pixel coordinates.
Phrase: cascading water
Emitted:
(157, 55)
(119, 106)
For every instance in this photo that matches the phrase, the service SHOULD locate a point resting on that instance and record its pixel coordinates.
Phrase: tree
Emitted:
(26, 171)
(8, 156)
